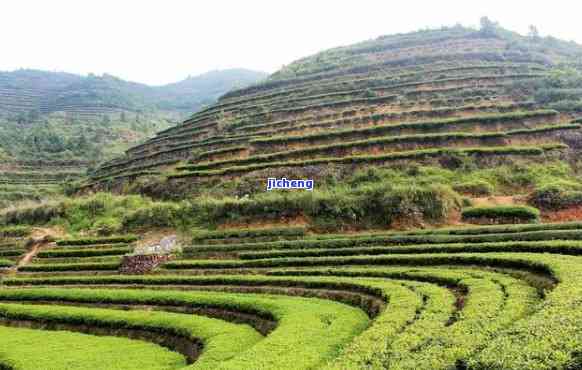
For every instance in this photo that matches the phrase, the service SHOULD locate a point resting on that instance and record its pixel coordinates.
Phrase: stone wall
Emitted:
(141, 264)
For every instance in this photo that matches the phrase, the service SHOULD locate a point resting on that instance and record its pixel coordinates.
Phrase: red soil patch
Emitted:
(495, 201)
(568, 214)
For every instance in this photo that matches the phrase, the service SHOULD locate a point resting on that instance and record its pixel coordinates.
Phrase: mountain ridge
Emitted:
(428, 89)
(30, 91)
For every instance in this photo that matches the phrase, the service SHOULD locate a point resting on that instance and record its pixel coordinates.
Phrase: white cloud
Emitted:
(158, 42)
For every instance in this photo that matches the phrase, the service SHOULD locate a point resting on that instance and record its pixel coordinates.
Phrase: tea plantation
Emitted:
(444, 230)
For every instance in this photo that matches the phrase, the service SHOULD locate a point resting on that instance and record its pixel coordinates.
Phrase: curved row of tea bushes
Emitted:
(433, 306)
(298, 340)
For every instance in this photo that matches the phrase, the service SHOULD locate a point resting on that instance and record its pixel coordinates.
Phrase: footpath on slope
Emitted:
(40, 237)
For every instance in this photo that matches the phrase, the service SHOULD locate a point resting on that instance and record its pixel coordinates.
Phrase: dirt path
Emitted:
(30, 254)
(39, 238)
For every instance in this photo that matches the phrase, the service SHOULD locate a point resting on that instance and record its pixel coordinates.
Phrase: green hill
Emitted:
(448, 98)
(53, 126)
(413, 141)
(29, 93)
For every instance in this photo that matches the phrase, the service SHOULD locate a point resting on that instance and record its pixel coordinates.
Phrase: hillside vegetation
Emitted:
(26, 94)
(454, 99)
(444, 229)
(54, 126)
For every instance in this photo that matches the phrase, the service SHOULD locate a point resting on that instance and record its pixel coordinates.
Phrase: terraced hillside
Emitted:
(55, 126)
(400, 99)
(411, 140)
(12, 247)
(32, 92)
(36, 180)
(479, 298)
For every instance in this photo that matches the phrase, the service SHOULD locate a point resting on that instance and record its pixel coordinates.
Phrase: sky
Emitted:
(164, 41)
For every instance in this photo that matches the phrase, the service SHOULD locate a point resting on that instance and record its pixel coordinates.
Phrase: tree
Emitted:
(21, 119)
(4, 156)
(33, 115)
(533, 32)
(488, 27)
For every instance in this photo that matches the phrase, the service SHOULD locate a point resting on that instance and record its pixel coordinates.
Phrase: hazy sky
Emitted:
(158, 42)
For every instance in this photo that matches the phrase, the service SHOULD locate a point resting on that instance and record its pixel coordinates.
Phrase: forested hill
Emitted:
(55, 125)
(189, 94)
(26, 94)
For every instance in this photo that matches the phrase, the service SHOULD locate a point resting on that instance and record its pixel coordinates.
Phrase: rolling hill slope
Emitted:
(489, 94)
(53, 126)
(377, 267)
(29, 93)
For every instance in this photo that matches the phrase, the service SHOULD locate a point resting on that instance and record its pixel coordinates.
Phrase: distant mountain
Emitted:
(55, 125)
(26, 94)
(204, 89)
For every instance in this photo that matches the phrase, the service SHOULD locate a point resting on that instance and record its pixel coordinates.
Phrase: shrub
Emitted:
(154, 215)
(476, 188)
(39, 214)
(466, 202)
(555, 197)
(383, 205)
(269, 206)
(501, 214)
(108, 226)
(331, 210)
(371, 205)
(453, 160)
